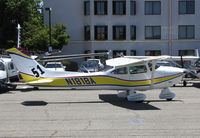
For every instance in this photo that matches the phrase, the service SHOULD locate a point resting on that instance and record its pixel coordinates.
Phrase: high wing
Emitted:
(191, 58)
(129, 60)
(65, 57)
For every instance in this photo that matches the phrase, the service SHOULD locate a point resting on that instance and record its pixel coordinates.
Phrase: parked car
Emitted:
(56, 66)
(92, 65)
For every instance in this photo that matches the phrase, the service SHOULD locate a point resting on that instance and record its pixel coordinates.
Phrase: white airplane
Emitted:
(124, 74)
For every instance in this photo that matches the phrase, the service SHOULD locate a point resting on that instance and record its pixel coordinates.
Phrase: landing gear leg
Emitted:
(184, 83)
(166, 94)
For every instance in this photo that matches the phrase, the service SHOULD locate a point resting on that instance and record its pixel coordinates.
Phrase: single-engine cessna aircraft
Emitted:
(125, 74)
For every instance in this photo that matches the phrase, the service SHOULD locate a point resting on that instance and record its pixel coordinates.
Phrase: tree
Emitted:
(59, 36)
(12, 13)
(37, 38)
(34, 33)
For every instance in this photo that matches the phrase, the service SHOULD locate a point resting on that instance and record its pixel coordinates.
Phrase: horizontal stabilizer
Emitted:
(74, 56)
(39, 82)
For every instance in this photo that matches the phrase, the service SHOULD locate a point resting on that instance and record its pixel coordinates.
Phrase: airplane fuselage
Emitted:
(164, 77)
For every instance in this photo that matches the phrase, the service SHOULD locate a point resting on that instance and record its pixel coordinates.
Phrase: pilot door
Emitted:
(140, 73)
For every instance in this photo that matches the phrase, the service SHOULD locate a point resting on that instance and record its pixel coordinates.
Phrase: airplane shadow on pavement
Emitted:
(114, 100)
(105, 98)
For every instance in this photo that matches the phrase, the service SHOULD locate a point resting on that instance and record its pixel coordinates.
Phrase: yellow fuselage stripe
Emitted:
(93, 81)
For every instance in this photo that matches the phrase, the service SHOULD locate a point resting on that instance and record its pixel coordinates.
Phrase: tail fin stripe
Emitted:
(22, 55)
(23, 51)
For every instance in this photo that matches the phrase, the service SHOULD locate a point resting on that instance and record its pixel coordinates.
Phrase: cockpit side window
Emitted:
(2, 66)
(123, 70)
(137, 69)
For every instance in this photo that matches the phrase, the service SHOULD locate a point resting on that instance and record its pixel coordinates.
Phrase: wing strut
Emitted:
(153, 72)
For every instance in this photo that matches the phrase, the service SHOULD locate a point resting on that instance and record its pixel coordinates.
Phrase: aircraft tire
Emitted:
(169, 99)
(140, 101)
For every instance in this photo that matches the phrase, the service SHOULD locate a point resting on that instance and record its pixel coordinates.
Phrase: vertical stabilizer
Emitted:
(29, 68)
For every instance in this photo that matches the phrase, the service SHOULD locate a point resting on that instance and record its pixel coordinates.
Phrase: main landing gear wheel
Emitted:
(166, 94)
(122, 94)
(169, 99)
(132, 96)
(136, 97)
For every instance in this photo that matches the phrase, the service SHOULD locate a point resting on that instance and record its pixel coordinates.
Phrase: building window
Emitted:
(119, 32)
(186, 53)
(186, 7)
(101, 32)
(119, 7)
(133, 53)
(133, 32)
(186, 32)
(152, 32)
(152, 7)
(87, 32)
(87, 7)
(100, 7)
(133, 8)
(152, 53)
(119, 53)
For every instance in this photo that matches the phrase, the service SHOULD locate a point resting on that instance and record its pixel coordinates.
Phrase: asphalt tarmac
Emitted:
(51, 112)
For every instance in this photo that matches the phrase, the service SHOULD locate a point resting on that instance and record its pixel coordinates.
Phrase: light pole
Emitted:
(18, 35)
(170, 27)
(50, 46)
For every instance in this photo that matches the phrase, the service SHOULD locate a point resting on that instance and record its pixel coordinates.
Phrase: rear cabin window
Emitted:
(123, 70)
(137, 69)
(2, 66)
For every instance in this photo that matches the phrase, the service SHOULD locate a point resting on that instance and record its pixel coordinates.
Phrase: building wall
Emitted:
(71, 13)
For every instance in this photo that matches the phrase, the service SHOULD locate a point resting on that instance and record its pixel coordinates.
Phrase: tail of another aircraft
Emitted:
(197, 52)
(29, 68)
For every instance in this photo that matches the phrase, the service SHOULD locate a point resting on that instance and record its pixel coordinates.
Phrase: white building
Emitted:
(134, 27)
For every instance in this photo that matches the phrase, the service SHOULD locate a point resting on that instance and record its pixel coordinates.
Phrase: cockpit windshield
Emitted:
(160, 63)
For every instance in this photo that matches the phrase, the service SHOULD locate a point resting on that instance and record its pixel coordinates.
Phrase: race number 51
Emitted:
(37, 71)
